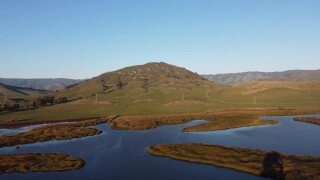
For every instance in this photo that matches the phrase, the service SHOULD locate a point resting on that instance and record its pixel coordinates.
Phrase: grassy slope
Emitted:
(166, 87)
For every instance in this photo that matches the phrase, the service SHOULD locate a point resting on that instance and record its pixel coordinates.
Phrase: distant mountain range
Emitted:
(291, 75)
(50, 84)
(42, 84)
(16, 94)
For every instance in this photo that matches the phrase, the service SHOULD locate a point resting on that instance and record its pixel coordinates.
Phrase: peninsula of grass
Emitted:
(308, 120)
(261, 163)
(23, 163)
(229, 122)
(218, 120)
(53, 132)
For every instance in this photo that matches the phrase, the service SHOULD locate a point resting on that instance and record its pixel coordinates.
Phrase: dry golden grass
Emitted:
(38, 162)
(143, 101)
(185, 103)
(222, 119)
(269, 164)
(53, 132)
(308, 120)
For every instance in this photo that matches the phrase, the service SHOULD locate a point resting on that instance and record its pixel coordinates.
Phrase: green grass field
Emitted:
(126, 102)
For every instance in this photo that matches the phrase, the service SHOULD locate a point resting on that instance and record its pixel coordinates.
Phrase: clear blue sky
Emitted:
(82, 39)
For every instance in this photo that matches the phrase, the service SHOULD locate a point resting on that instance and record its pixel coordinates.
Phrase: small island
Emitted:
(23, 163)
(261, 163)
(53, 132)
(312, 120)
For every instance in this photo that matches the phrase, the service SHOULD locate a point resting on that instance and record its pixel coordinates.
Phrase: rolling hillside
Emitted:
(291, 75)
(139, 80)
(160, 88)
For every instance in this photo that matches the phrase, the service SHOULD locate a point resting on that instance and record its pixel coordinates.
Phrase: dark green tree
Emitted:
(34, 104)
(120, 84)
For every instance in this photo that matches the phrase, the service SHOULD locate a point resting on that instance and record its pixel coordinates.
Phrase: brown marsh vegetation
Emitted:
(308, 120)
(38, 162)
(262, 163)
(53, 132)
(229, 122)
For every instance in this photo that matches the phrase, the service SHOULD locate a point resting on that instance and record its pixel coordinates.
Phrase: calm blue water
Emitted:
(121, 154)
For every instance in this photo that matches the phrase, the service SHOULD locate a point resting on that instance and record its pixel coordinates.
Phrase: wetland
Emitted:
(110, 153)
